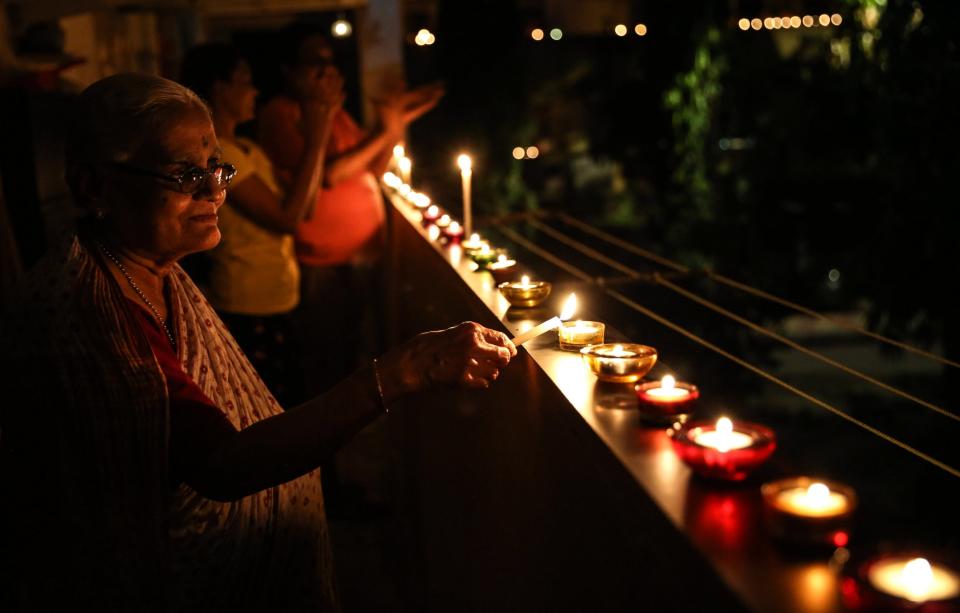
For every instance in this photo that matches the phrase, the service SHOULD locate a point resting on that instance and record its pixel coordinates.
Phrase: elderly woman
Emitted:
(151, 468)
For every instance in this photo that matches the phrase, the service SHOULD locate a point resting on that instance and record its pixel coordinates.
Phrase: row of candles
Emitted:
(799, 511)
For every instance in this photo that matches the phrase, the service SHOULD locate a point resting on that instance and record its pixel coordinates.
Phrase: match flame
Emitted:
(464, 162)
(569, 308)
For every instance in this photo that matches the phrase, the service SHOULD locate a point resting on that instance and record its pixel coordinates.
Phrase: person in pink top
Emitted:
(338, 246)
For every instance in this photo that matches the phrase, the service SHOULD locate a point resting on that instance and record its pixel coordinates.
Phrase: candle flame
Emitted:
(501, 258)
(724, 426)
(405, 164)
(668, 382)
(617, 349)
(398, 151)
(444, 219)
(524, 280)
(818, 494)
(421, 200)
(454, 227)
(569, 307)
(474, 238)
(917, 576)
(433, 211)
(464, 162)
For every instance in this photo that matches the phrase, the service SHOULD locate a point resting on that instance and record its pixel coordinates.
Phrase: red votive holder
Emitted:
(725, 450)
(806, 512)
(666, 401)
(453, 234)
(901, 581)
(430, 215)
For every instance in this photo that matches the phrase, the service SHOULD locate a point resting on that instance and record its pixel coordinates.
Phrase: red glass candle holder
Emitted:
(430, 215)
(880, 581)
(734, 464)
(453, 234)
(664, 411)
(806, 512)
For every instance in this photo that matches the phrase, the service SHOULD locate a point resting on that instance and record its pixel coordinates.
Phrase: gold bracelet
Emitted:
(376, 375)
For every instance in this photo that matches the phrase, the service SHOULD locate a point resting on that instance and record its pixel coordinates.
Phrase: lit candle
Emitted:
(419, 200)
(809, 512)
(914, 579)
(391, 180)
(723, 450)
(453, 233)
(665, 401)
(569, 308)
(474, 243)
(404, 190)
(815, 500)
(443, 221)
(398, 153)
(431, 214)
(619, 363)
(723, 437)
(466, 172)
(668, 391)
(523, 293)
(578, 334)
(405, 165)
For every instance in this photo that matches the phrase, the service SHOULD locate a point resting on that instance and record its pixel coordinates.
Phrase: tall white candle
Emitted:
(466, 173)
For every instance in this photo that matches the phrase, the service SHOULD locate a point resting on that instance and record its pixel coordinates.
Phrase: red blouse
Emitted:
(197, 426)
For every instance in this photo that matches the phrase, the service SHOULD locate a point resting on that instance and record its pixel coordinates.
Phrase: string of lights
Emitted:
(546, 255)
(786, 23)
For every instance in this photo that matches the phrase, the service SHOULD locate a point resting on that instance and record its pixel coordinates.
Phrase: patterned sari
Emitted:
(92, 516)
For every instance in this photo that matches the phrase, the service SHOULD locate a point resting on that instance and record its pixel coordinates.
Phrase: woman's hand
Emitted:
(467, 354)
(323, 97)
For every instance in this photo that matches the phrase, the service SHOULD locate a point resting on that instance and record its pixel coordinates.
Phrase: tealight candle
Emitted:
(804, 511)
(621, 362)
(486, 256)
(723, 450)
(524, 293)
(443, 221)
(474, 243)
(404, 190)
(575, 335)
(666, 401)
(453, 233)
(391, 180)
(431, 214)
(901, 582)
(914, 579)
(503, 269)
(419, 200)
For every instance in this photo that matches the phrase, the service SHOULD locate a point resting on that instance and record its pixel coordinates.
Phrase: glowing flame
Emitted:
(724, 426)
(501, 258)
(454, 227)
(668, 382)
(474, 238)
(464, 162)
(399, 152)
(405, 164)
(524, 280)
(422, 201)
(433, 211)
(918, 578)
(818, 494)
(569, 308)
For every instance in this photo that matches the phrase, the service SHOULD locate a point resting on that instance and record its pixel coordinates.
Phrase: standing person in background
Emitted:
(254, 276)
(338, 247)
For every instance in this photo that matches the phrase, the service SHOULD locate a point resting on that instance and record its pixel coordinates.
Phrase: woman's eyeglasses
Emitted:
(191, 180)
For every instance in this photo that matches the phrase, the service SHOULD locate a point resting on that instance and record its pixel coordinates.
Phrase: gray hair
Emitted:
(116, 114)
